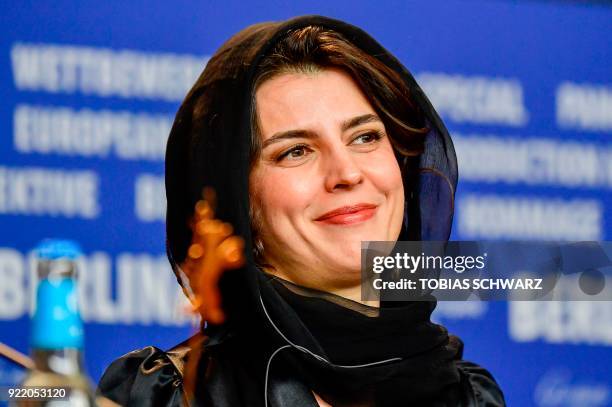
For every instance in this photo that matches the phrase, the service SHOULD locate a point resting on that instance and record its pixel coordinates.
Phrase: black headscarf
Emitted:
(345, 351)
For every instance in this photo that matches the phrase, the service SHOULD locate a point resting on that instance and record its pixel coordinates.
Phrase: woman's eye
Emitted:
(294, 153)
(367, 138)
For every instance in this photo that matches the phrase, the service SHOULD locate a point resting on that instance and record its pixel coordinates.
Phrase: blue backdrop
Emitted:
(89, 90)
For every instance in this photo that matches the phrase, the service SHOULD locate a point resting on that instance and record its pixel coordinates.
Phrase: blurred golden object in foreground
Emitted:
(213, 250)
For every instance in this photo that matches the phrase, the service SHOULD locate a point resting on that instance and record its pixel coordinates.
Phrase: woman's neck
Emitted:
(351, 292)
(354, 294)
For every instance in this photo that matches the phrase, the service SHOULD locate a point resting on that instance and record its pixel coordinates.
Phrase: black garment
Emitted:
(282, 342)
(152, 377)
(233, 372)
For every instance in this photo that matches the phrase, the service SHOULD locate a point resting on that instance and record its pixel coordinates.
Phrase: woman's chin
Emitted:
(347, 273)
(347, 284)
(345, 240)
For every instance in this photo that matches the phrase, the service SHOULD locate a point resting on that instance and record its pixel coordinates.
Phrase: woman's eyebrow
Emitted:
(289, 134)
(358, 120)
(307, 134)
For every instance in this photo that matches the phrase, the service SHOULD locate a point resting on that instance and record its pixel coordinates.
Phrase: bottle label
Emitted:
(57, 323)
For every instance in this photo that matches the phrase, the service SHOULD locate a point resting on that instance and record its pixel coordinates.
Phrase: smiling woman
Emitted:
(325, 180)
(313, 144)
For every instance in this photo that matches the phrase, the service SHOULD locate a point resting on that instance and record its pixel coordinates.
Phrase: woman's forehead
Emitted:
(290, 101)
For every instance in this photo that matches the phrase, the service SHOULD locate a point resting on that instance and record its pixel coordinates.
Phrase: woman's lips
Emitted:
(348, 215)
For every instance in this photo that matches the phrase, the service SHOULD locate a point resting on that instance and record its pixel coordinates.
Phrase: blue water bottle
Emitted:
(58, 377)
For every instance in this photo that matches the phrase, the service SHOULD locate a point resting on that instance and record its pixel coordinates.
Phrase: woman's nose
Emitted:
(342, 171)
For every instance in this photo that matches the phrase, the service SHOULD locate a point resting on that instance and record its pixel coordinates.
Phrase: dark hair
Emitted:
(313, 48)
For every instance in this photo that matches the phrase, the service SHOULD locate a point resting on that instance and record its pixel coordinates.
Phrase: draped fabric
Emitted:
(360, 355)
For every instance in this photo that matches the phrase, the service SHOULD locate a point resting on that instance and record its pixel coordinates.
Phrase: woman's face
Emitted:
(326, 179)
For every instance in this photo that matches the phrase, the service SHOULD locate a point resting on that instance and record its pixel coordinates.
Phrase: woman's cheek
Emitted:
(284, 192)
(385, 173)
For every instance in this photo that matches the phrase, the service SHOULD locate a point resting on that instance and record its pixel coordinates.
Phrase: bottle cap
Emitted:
(53, 249)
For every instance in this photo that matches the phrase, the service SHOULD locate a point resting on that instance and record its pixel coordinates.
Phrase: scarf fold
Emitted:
(353, 354)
